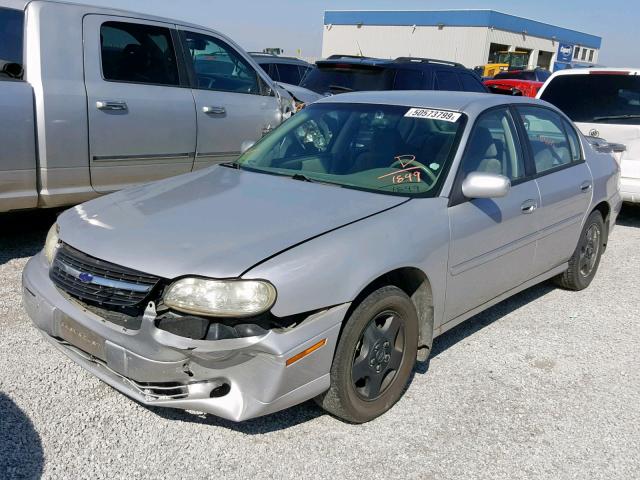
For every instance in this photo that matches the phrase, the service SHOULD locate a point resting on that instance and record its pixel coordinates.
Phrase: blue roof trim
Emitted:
(462, 18)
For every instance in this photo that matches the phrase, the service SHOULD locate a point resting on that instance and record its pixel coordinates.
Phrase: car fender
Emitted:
(335, 267)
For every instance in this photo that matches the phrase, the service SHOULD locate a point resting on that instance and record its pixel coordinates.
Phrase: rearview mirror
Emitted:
(485, 185)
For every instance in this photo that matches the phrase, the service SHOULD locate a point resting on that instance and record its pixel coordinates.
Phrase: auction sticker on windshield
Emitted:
(433, 114)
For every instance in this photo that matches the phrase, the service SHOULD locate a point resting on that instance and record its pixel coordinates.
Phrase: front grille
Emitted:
(100, 283)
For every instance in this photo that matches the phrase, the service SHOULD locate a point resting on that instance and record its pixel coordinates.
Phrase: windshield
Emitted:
(347, 78)
(381, 148)
(11, 33)
(597, 98)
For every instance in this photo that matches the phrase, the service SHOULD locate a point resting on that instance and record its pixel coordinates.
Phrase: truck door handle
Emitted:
(214, 110)
(111, 106)
(585, 187)
(529, 206)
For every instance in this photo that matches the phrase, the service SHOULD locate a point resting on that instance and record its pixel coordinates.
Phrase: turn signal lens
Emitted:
(304, 353)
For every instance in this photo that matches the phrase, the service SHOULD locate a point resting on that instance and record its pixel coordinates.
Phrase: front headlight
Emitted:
(51, 243)
(220, 298)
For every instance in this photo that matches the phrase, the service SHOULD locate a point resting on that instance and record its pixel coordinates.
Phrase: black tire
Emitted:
(584, 262)
(365, 350)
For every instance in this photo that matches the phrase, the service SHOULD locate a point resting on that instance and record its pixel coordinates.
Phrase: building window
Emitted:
(591, 55)
(576, 53)
(584, 54)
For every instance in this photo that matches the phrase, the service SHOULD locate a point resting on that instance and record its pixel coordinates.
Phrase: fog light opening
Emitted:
(220, 391)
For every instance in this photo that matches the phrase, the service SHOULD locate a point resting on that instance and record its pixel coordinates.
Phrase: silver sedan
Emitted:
(324, 261)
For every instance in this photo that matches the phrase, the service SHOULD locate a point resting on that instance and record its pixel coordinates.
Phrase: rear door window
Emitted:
(597, 98)
(138, 53)
(547, 136)
(471, 83)
(446, 80)
(11, 42)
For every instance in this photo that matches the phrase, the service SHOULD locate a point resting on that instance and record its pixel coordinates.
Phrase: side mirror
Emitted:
(246, 145)
(485, 185)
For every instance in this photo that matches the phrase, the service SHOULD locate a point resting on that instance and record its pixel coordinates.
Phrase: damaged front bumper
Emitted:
(236, 379)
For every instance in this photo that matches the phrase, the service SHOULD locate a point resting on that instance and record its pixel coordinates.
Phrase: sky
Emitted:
(297, 24)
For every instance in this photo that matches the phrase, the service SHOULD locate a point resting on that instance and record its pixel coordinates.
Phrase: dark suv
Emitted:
(346, 73)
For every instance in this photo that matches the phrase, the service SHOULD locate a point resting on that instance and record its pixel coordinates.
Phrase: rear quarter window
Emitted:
(471, 84)
(447, 80)
(11, 42)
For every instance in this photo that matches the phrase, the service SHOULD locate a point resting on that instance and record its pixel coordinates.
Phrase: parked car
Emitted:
(604, 103)
(351, 236)
(518, 82)
(118, 98)
(288, 70)
(347, 73)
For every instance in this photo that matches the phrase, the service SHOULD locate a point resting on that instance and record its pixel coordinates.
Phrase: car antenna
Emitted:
(359, 49)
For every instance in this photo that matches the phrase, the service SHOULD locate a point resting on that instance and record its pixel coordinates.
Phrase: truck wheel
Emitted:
(584, 262)
(374, 357)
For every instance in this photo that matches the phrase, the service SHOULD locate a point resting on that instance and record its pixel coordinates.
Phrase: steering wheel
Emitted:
(415, 163)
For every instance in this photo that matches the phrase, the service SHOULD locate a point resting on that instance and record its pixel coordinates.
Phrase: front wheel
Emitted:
(374, 357)
(584, 262)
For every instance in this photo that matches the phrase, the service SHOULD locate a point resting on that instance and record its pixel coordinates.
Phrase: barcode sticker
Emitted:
(444, 115)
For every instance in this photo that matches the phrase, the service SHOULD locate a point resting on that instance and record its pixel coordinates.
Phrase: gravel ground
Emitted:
(544, 385)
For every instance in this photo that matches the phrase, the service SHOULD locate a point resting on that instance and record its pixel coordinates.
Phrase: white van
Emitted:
(604, 103)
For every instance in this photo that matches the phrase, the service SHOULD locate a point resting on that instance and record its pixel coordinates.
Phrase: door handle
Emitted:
(111, 106)
(585, 187)
(529, 206)
(214, 110)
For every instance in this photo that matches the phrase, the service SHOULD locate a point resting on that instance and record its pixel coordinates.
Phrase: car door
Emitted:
(142, 120)
(234, 102)
(564, 180)
(493, 241)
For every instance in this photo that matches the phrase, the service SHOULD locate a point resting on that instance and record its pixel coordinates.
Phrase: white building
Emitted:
(470, 37)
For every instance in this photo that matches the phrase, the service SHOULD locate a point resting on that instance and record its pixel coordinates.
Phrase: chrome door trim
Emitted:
(159, 156)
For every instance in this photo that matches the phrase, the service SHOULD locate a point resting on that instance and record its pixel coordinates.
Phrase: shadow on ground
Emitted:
(21, 454)
(629, 216)
(22, 234)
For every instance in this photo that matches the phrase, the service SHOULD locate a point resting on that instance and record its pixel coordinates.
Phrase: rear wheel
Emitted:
(585, 260)
(374, 357)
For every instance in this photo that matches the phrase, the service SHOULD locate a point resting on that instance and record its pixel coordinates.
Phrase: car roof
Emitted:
(267, 58)
(467, 102)
(588, 71)
(400, 62)
(585, 71)
(23, 4)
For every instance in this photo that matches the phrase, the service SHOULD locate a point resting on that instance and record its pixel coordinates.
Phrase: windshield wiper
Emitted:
(615, 117)
(339, 88)
(235, 165)
(302, 177)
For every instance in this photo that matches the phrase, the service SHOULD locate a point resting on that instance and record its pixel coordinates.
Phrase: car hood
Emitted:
(218, 222)
(300, 93)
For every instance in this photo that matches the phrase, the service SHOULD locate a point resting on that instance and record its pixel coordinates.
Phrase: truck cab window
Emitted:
(138, 53)
(217, 66)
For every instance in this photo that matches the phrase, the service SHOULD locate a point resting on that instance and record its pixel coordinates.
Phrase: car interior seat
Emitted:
(483, 153)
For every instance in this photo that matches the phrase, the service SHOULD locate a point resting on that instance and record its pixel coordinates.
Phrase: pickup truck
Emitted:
(93, 100)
